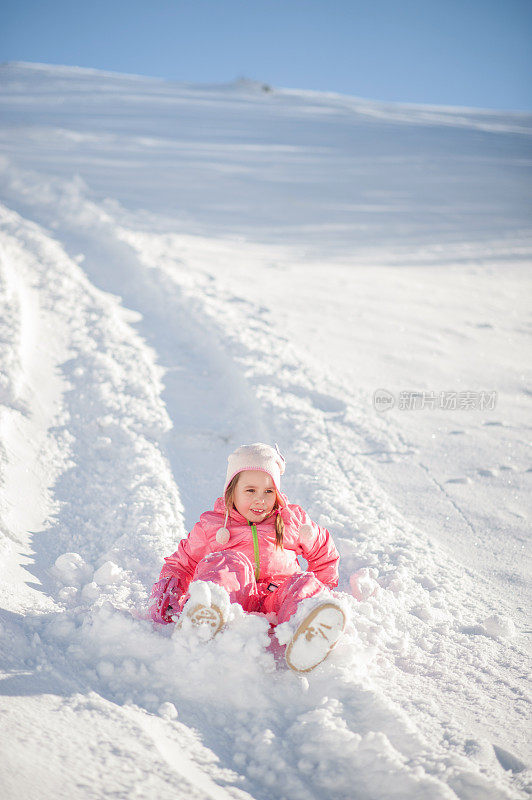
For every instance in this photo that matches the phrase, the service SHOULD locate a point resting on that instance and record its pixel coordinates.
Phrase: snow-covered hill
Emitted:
(186, 268)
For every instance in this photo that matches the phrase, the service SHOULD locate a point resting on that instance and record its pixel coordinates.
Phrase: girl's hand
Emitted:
(166, 594)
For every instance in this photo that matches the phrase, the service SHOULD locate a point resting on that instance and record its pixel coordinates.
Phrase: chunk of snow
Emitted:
(71, 569)
(108, 574)
(90, 592)
(68, 593)
(363, 583)
(499, 626)
(207, 593)
(167, 710)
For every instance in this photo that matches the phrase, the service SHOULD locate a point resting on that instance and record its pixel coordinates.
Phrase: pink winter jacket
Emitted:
(276, 564)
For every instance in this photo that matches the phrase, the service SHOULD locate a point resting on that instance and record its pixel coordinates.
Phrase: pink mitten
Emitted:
(166, 594)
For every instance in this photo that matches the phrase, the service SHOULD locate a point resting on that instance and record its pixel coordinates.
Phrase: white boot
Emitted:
(208, 619)
(206, 609)
(315, 637)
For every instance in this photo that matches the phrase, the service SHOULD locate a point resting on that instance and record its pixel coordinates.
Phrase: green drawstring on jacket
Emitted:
(256, 549)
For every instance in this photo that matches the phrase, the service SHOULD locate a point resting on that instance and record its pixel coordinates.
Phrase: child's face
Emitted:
(254, 495)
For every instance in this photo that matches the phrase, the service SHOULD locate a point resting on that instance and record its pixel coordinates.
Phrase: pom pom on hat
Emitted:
(222, 534)
(306, 534)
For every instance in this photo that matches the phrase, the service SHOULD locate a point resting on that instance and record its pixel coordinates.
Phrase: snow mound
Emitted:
(500, 626)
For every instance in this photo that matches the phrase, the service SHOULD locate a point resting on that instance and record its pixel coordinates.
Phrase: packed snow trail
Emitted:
(114, 404)
(108, 646)
(134, 358)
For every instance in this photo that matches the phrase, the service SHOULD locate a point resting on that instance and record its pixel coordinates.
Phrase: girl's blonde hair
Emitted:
(229, 504)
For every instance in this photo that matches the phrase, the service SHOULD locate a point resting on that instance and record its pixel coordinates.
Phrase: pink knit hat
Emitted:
(261, 457)
(257, 456)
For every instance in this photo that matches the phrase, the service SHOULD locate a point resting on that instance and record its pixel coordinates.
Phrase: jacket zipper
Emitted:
(256, 550)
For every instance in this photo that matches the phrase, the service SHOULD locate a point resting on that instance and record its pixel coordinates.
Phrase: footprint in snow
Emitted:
(497, 626)
(323, 402)
(507, 760)
(459, 480)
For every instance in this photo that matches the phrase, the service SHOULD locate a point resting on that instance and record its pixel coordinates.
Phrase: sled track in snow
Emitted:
(342, 720)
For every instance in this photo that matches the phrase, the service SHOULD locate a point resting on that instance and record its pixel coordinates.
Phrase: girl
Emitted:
(248, 545)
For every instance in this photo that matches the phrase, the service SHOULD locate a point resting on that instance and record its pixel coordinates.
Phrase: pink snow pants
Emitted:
(234, 571)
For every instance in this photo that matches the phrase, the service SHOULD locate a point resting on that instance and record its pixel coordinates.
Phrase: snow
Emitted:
(187, 268)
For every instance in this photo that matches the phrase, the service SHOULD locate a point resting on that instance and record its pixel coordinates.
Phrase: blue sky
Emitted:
(449, 52)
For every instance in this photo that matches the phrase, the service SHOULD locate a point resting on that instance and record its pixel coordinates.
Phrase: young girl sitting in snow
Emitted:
(245, 551)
